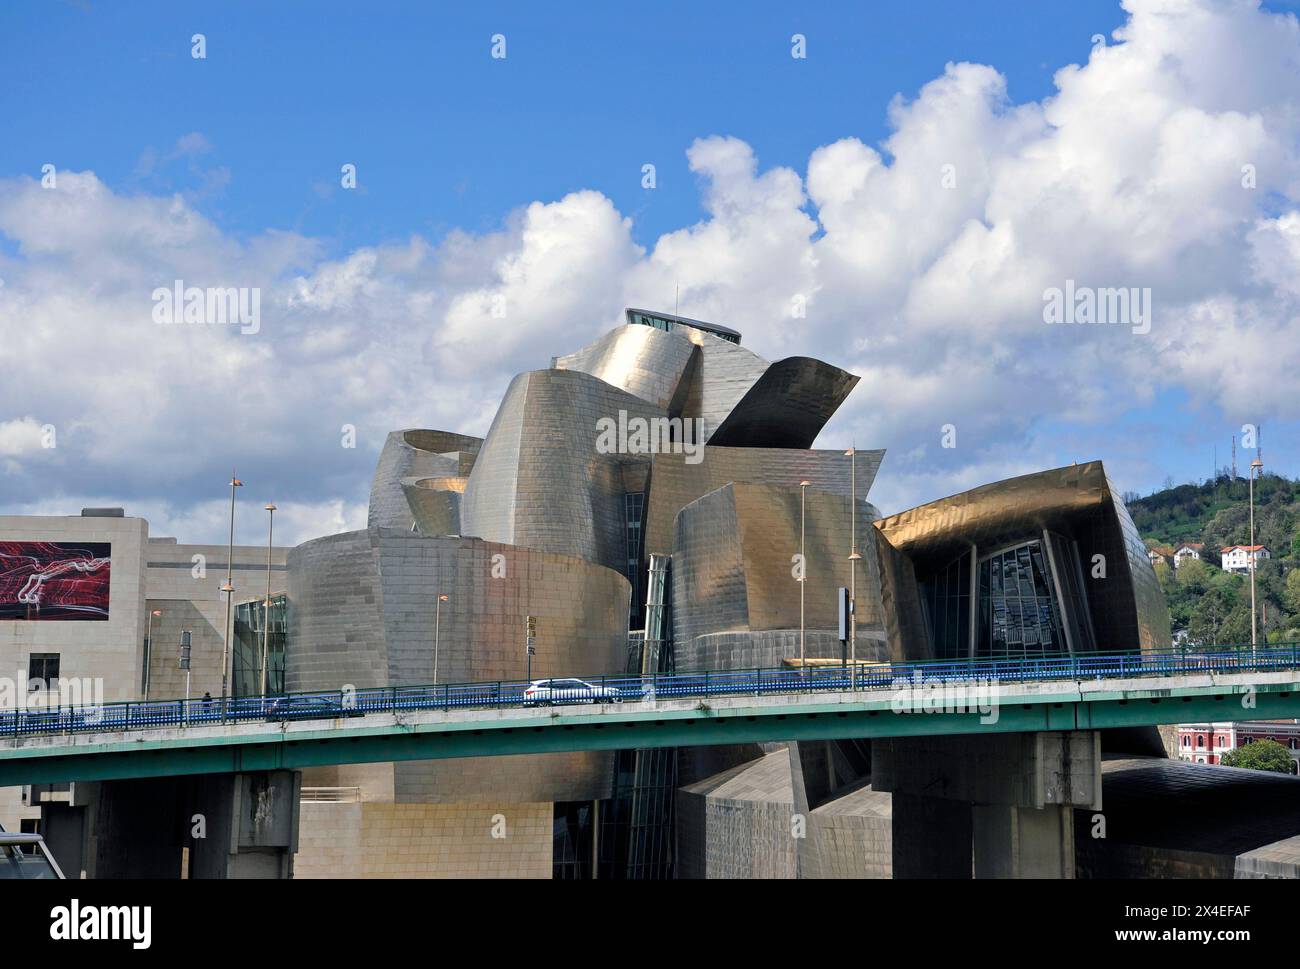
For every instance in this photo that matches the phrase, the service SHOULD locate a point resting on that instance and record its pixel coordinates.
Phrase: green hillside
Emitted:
(1210, 605)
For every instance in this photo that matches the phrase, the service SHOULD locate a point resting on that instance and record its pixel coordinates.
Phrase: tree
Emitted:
(1163, 573)
(1266, 755)
(1293, 590)
(1193, 575)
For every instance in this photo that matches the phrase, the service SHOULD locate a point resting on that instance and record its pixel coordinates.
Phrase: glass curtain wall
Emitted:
(249, 619)
(1025, 597)
(1018, 612)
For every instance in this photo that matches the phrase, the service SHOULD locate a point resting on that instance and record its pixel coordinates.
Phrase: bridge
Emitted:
(896, 700)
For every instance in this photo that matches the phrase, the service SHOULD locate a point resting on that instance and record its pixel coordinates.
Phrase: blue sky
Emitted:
(443, 135)
(1088, 161)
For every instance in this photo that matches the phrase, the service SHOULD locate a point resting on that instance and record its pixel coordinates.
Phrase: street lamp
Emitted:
(854, 559)
(437, 617)
(229, 589)
(266, 609)
(148, 652)
(1255, 467)
(803, 572)
(186, 646)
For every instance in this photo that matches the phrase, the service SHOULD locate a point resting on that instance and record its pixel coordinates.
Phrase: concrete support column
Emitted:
(1020, 842)
(138, 828)
(250, 824)
(118, 829)
(1000, 805)
(931, 837)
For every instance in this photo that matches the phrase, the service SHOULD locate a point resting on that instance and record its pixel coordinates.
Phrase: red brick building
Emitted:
(1206, 743)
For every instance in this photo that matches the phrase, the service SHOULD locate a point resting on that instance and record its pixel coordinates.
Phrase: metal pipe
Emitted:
(803, 573)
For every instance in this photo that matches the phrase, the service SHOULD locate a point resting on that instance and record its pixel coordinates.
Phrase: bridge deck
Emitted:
(436, 734)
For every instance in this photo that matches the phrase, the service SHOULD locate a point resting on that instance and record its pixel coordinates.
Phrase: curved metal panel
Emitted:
(787, 407)
(640, 360)
(544, 478)
(736, 601)
(363, 613)
(414, 452)
(675, 483)
(435, 503)
(1125, 604)
(996, 513)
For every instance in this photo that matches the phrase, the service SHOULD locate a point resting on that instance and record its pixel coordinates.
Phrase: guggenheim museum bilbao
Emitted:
(642, 499)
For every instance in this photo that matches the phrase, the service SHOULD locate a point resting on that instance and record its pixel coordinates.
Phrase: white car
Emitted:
(569, 691)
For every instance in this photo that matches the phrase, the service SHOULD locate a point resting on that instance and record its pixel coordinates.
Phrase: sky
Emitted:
(900, 201)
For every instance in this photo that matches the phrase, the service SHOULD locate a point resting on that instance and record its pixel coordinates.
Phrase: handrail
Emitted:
(330, 795)
(604, 688)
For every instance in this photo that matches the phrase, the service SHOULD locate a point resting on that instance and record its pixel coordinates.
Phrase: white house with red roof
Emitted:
(1237, 558)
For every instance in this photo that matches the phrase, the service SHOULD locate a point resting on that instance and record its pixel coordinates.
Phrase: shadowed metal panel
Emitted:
(724, 375)
(787, 407)
(435, 503)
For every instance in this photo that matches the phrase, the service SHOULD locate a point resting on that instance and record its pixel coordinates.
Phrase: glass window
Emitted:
(946, 600)
(43, 667)
(634, 512)
(1018, 615)
(1069, 568)
(250, 620)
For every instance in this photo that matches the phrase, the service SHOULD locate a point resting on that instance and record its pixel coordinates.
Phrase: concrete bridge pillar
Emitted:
(1021, 842)
(251, 824)
(988, 805)
(235, 826)
(117, 829)
(931, 837)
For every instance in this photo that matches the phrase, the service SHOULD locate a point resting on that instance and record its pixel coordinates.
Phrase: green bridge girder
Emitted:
(729, 720)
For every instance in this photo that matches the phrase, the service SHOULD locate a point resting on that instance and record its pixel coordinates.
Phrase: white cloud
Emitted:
(922, 262)
(24, 435)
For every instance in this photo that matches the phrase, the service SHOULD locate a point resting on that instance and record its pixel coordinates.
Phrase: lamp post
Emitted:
(229, 589)
(854, 559)
(1255, 467)
(148, 651)
(437, 618)
(186, 645)
(266, 608)
(803, 572)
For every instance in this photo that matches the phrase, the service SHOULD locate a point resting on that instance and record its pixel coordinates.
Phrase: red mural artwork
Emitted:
(54, 580)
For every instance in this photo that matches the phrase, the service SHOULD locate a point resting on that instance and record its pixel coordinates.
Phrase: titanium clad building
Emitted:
(652, 501)
(642, 498)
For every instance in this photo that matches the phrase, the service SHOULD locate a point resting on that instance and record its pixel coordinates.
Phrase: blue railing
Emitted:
(335, 704)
